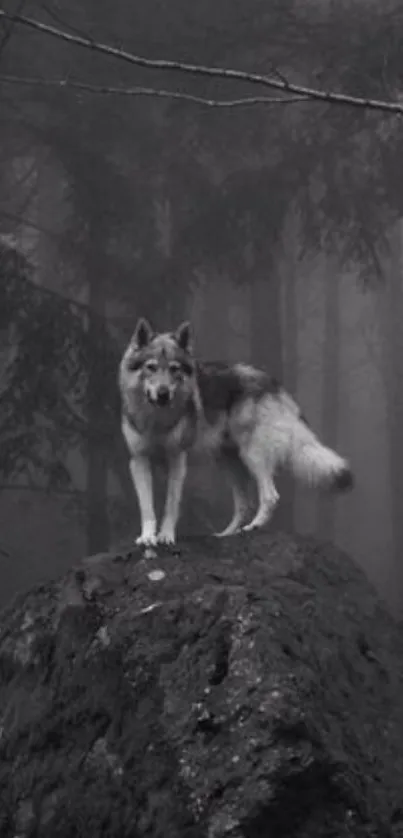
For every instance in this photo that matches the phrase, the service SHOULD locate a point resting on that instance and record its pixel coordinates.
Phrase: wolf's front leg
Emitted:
(140, 471)
(177, 468)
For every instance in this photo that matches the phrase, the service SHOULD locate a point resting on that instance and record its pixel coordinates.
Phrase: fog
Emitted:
(275, 227)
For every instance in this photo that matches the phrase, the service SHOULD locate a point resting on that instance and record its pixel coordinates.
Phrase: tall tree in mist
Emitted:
(354, 207)
(391, 319)
(97, 453)
(43, 346)
(47, 352)
(157, 198)
(289, 282)
(330, 392)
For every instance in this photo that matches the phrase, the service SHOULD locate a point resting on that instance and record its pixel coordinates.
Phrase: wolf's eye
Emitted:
(174, 367)
(187, 368)
(151, 366)
(134, 364)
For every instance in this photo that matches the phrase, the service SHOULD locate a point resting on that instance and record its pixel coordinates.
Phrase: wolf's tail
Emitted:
(318, 465)
(308, 458)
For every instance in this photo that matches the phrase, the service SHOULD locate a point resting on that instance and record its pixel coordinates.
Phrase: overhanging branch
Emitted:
(62, 84)
(278, 84)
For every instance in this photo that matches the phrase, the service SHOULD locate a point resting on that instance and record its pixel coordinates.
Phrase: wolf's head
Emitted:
(161, 364)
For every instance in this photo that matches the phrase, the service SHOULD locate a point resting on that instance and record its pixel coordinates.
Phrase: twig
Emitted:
(64, 23)
(8, 30)
(212, 72)
(278, 73)
(150, 91)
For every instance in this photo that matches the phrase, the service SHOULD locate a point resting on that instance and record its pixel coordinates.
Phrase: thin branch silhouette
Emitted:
(212, 72)
(85, 87)
(8, 30)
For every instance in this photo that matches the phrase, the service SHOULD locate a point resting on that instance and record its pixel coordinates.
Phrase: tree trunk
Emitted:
(97, 522)
(266, 332)
(331, 394)
(290, 326)
(392, 343)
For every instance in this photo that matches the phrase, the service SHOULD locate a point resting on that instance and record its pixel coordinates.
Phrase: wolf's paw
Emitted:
(228, 531)
(166, 537)
(252, 527)
(147, 539)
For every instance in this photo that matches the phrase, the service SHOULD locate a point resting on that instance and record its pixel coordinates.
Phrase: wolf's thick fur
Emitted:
(174, 405)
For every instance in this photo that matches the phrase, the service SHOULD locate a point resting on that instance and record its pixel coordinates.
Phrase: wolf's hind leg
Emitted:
(267, 494)
(237, 477)
(140, 471)
(176, 478)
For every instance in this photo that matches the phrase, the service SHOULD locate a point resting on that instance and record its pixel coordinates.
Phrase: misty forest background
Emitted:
(276, 228)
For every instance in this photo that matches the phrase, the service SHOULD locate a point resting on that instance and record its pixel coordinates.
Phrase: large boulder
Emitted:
(246, 688)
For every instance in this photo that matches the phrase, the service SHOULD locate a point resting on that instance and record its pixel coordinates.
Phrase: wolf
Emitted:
(174, 405)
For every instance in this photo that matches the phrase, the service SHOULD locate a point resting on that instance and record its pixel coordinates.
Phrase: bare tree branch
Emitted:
(151, 91)
(212, 72)
(65, 23)
(8, 30)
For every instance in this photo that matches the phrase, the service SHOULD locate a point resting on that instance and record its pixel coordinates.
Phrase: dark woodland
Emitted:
(236, 164)
(275, 227)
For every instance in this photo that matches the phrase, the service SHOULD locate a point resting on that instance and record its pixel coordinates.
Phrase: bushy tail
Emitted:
(309, 459)
(316, 464)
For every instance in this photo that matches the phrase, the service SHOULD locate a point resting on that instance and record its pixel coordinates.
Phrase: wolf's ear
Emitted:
(142, 333)
(183, 337)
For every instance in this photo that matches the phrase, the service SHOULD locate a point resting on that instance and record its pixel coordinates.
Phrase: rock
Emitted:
(245, 688)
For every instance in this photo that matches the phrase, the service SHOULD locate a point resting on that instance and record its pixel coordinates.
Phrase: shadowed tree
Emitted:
(160, 193)
(330, 393)
(47, 352)
(391, 319)
(289, 280)
(43, 375)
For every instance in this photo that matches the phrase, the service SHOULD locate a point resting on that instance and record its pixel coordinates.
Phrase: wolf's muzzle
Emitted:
(163, 396)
